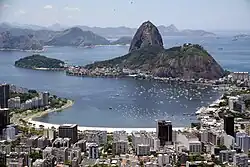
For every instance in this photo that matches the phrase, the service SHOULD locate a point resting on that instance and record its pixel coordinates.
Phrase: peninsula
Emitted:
(39, 62)
(147, 56)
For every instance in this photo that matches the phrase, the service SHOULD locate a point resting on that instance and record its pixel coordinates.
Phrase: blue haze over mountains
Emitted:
(170, 30)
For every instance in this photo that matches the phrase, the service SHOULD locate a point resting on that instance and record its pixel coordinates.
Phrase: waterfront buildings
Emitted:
(4, 95)
(164, 132)
(95, 136)
(14, 103)
(45, 98)
(69, 131)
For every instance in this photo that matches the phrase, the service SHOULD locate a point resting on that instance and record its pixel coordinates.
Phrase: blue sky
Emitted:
(193, 14)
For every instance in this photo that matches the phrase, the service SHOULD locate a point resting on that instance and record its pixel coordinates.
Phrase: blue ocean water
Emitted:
(109, 102)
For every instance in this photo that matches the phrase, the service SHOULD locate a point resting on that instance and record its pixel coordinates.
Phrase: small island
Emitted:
(39, 62)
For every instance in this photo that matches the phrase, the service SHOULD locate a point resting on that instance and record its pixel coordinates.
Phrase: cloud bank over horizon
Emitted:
(195, 14)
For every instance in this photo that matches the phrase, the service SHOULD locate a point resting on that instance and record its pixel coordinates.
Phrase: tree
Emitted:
(130, 138)
(141, 163)
(41, 127)
(36, 155)
(242, 126)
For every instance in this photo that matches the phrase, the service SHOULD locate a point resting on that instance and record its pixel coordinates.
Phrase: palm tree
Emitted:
(41, 127)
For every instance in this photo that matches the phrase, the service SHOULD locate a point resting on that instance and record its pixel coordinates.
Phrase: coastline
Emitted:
(40, 114)
(29, 116)
(36, 124)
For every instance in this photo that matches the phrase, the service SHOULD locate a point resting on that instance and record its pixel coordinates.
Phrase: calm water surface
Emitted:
(123, 102)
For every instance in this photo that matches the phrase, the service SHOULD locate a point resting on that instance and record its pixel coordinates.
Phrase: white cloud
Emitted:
(22, 12)
(5, 6)
(48, 7)
(72, 9)
(69, 17)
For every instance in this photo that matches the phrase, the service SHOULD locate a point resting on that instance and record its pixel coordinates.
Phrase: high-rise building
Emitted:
(4, 95)
(164, 132)
(93, 151)
(4, 118)
(243, 141)
(45, 98)
(68, 131)
(229, 125)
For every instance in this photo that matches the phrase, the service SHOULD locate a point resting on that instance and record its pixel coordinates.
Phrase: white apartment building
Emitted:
(9, 132)
(240, 160)
(227, 155)
(120, 135)
(229, 141)
(145, 138)
(195, 147)
(50, 134)
(243, 141)
(99, 137)
(164, 159)
(39, 163)
(93, 151)
(14, 103)
(143, 150)
(119, 147)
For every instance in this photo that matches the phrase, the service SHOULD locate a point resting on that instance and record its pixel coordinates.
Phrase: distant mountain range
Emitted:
(170, 30)
(77, 37)
(33, 37)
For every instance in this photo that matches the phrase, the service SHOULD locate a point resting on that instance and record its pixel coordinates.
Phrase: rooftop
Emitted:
(67, 125)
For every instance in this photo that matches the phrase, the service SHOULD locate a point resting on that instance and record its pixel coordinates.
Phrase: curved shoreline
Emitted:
(40, 114)
(29, 119)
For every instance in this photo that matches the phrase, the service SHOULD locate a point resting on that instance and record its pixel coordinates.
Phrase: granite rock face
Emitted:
(146, 53)
(22, 42)
(146, 35)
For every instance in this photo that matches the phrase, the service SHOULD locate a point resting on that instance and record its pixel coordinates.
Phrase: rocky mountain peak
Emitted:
(146, 35)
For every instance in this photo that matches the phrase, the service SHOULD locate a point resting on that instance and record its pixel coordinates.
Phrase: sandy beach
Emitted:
(40, 114)
(29, 118)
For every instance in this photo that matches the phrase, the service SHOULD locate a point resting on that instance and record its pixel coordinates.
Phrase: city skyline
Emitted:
(207, 15)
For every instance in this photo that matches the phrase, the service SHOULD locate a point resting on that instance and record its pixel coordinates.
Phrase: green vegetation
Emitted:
(195, 157)
(173, 62)
(222, 147)
(30, 130)
(57, 102)
(35, 156)
(130, 138)
(38, 61)
(24, 96)
(108, 146)
(196, 124)
(2, 165)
